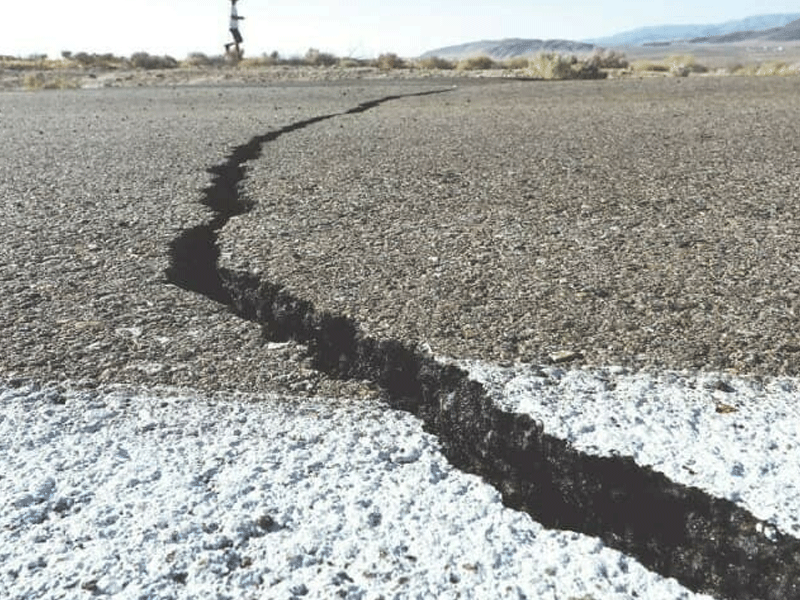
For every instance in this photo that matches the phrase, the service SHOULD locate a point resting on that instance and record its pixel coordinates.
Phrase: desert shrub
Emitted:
(199, 59)
(649, 66)
(519, 62)
(265, 60)
(83, 58)
(34, 81)
(40, 81)
(755, 69)
(292, 61)
(143, 60)
(549, 65)
(435, 62)
(734, 68)
(609, 59)
(106, 60)
(683, 65)
(476, 63)
(87, 60)
(349, 62)
(315, 58)
(390, 61)
(776, 68)
(587, 69)
(15, 63)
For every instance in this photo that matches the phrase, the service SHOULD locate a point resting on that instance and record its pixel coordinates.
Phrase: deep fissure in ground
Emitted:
(708, 544)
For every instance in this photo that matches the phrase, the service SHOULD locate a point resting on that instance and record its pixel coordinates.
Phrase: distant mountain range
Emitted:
(667, 33)
(509, 48)
(787, 33)
(775, 28)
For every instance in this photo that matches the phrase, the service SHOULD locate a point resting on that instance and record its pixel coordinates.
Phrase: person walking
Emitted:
(234, 28)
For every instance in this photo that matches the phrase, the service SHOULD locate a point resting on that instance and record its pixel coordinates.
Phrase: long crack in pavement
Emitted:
(708, 544)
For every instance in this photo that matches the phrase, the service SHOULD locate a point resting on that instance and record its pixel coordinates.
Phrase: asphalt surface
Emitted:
(649, 223)
(643, 223)
(95, 185)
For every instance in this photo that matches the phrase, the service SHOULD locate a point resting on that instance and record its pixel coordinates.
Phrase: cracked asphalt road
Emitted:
(95, 186)
(648, 223)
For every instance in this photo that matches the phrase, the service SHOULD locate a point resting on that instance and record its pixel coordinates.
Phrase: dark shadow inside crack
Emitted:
(193, 265)
(708, 544)
(194, 254)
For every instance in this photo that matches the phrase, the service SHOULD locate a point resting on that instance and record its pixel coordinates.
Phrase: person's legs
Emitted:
(237, 39)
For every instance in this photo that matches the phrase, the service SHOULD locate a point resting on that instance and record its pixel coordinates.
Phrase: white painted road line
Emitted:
(734, 438)
(166, 494)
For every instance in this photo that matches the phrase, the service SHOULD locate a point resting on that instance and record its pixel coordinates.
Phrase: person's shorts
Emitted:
(237, 37)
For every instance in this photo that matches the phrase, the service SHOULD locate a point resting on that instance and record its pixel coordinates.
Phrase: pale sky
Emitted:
(358, 28)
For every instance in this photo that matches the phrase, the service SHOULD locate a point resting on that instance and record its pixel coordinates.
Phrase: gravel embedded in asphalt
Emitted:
(641, 222)
(94, 187)
(645, 223)
(649, 223)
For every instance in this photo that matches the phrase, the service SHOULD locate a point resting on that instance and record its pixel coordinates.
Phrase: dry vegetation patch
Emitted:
(435, 62)
(767, 69)
(89, 69)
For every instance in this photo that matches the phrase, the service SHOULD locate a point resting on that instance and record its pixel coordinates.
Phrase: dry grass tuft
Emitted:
(543, 66)
(41, 81)
(683, 64)
(679, 65)
(476, 63)
(199, 59)
(648, 66)
(549, 65)
(97, 61)
(315, 58)
(516, 63)
(348, 62)
(609, 59)
(390, 61)
(435, 62)
(143, 60)
(768, 69)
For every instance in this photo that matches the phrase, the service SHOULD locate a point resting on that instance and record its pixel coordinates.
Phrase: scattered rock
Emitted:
(299, 590)
(564, 356)
(724, 386)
